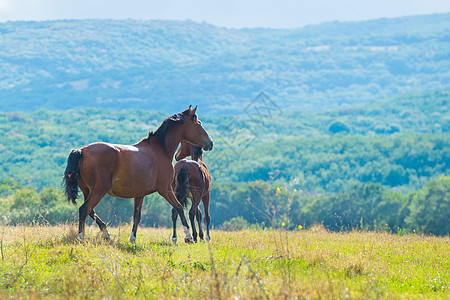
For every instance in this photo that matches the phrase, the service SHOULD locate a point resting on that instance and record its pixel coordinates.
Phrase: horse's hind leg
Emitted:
(136, 217)
(101, 225)
(94, 216)
(92, 200)
(174, 222)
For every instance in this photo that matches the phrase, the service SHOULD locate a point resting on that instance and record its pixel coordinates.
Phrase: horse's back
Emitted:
(101, 152)
(128, 169)
(98, 159)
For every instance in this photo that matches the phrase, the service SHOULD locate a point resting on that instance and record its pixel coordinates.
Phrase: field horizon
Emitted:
(261, 263)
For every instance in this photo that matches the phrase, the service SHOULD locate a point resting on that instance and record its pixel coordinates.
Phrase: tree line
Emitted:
(366, 206)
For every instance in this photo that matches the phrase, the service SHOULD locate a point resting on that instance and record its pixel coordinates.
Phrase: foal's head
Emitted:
(193, 131)
(187, 149)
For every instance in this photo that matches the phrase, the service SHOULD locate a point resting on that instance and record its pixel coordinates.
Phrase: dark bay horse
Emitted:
(132, 171)
(193, 180)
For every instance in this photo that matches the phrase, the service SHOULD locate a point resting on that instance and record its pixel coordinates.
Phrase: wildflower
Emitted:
(283, 224)
(300, 227)
(295, 190)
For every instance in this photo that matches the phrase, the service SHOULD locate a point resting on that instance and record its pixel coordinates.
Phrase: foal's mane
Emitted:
(198, 152)
(161, 132)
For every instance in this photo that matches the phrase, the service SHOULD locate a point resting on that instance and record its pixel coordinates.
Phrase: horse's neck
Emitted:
(173, 139)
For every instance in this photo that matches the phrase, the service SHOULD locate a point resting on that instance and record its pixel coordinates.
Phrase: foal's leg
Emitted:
(196, 197)
(136, 217)
(169, 195)
(174, 221)
(205, 200)
(199, 221)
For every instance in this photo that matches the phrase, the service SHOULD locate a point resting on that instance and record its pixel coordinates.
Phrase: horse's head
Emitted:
(187, 149)
(193, 131)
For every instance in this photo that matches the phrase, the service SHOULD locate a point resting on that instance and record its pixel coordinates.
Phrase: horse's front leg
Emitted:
(205, 200)
(192, 219)
(136, 217)
(174, 222)
(169, 195)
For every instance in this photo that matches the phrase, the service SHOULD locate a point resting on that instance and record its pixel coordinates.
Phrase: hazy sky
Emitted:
(229, 13)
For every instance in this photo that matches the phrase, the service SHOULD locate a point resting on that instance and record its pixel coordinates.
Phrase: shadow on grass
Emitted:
(70, 237)
(138, 247)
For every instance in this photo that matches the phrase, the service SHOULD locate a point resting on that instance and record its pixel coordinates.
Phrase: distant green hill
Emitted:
(164, 65)
(400, 142)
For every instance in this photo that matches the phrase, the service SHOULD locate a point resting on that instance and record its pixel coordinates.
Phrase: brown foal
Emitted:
(193, 180)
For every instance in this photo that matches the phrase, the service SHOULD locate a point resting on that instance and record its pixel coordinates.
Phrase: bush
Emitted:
(234, 224)
(338, 127)
(430, 208)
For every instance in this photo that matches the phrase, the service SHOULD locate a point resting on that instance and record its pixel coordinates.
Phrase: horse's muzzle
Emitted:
(208, 146)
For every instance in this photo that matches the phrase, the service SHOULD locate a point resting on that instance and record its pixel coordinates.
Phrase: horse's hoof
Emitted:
(188, 238)
(174, 240)
(105, 235)
(207, 239)
(81, 237)
(132, 238)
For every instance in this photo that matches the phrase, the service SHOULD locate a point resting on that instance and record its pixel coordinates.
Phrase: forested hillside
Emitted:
(401, 145)
(383, 164)
(344, 124)
(157, 65)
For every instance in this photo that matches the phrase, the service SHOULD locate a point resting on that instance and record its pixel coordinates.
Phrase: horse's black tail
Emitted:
(182, 186)
(71, 175)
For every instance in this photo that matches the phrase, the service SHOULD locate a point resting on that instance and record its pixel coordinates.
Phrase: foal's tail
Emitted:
(71, 175)
(182, 186)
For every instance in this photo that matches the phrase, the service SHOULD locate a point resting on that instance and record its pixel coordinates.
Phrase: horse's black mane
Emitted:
(161, 132)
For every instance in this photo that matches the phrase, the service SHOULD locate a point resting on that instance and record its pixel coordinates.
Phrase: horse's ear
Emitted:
(190, 106)
(194, 110)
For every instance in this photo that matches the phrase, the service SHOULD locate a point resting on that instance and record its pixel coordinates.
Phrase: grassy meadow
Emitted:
(44, 261)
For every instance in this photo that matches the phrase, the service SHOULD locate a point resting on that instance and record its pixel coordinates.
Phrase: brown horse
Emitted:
(192, 180)
(132, 171)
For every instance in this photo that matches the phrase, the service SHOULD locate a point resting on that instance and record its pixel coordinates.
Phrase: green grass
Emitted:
(41, 261)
